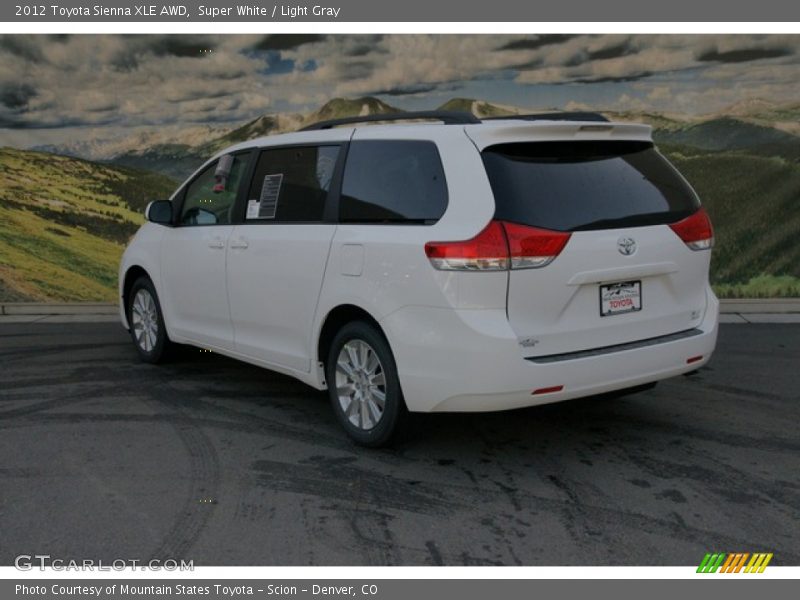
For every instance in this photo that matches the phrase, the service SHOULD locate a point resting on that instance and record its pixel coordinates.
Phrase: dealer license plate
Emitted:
(619, 298)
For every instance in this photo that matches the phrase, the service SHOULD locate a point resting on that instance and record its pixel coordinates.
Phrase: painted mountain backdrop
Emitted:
(66, 210)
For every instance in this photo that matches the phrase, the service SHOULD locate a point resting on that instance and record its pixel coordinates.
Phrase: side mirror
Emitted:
(159, 211)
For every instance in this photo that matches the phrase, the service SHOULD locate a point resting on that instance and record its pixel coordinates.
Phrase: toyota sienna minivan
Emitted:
(451, 265)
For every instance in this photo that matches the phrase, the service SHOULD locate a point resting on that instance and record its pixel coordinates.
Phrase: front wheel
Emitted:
(363, 385)
(146, 322)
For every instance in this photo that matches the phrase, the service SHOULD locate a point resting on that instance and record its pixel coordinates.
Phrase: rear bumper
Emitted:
(470, 360)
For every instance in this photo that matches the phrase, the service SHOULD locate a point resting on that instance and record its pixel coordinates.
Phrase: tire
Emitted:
(146, 322)
(360, 370)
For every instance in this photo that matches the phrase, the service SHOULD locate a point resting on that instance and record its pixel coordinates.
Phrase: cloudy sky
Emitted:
(50, 85)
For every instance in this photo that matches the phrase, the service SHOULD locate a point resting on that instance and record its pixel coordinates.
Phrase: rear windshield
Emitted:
(572, 186)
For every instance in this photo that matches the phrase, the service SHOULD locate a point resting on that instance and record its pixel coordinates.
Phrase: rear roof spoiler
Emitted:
(553, 116)
(510, 131)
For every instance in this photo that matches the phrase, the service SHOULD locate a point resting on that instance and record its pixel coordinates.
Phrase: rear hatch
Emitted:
(635, 262)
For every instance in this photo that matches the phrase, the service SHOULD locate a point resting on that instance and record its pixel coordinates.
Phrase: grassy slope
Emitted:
(728, 133)
(172, 160)
(64, 223)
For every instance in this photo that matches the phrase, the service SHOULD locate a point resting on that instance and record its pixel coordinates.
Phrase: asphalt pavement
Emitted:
(103, 457)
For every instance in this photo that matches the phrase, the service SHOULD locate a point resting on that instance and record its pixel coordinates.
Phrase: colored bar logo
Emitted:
(736, 562)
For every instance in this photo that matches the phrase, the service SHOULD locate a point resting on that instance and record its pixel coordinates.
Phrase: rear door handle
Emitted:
(216, 243)
(240, 243)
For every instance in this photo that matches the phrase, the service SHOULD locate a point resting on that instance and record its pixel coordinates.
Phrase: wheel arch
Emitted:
(134, 272)
(131, 275)
(336, 318)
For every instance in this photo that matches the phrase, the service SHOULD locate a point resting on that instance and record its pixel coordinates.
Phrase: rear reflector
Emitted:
(547, 390)
(500, 246)
(694, 359)
(695, 230)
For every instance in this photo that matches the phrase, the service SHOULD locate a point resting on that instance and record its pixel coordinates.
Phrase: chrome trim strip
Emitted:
(662, 339)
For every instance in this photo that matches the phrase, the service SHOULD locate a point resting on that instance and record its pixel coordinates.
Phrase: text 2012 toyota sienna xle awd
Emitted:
(461, 265)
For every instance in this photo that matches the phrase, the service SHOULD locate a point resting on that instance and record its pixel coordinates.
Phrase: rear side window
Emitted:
(572, 186)
(393, 182)
(291, 184)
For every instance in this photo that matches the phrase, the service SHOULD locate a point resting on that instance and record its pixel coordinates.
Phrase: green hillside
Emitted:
(64, 223)
(732, 134)
(176, 161)
(754, 204)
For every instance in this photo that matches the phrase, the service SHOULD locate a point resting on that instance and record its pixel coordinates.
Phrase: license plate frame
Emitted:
(620, 298)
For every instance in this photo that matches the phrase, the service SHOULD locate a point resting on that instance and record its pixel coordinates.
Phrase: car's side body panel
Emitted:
(193, 294)
(273, 285)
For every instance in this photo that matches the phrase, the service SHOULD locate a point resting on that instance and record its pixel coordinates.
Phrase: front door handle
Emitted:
(216, 243)
(240, 244)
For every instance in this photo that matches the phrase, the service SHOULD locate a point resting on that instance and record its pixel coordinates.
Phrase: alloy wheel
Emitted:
(360, 384)
(144, 319)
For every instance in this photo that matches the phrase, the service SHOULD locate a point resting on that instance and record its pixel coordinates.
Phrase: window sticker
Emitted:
(252, 209)
(267, 205)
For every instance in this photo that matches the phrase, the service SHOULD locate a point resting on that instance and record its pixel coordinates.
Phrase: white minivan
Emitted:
(458, 265)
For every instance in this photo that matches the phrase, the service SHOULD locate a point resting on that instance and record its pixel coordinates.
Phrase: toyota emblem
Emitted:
(626, 246)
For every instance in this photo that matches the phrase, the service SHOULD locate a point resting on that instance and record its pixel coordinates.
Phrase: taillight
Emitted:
(487, 251)
(498, 247)
(531, 247)
(695, 230)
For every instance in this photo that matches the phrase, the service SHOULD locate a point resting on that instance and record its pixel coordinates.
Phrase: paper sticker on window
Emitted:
(252, 209)
(267, 204)
(269, 196)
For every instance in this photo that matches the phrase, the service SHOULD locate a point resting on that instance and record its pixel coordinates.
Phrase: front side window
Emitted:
(291, 184)
(393, 182)
(210, 199)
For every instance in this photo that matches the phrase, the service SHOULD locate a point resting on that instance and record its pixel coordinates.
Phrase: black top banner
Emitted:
(464, 11)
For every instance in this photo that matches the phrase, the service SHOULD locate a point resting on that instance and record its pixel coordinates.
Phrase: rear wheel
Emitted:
(146, 322)
(363, 385)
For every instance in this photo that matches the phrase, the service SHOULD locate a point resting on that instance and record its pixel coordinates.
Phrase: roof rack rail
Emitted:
(446, 116)
(555, 116)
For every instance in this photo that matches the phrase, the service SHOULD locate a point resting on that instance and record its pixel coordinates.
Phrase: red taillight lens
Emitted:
(498, 247)
(531, 247)
(487, 251)
(695, 230)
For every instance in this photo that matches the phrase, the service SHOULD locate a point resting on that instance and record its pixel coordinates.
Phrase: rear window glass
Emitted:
(393, 182)
(572, 186)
